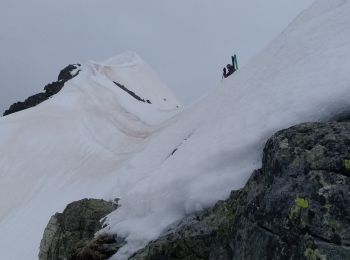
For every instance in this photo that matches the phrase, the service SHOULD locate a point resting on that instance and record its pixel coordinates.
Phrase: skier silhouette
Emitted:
(230, 68)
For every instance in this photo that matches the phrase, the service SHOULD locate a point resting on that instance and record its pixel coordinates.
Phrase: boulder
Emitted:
(70, 235)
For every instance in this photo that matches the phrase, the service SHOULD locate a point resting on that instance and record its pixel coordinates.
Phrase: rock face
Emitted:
(296, 207)
(70, 235)
(51, 89)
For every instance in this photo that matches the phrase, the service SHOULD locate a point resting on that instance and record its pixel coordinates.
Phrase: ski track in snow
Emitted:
(95, 140)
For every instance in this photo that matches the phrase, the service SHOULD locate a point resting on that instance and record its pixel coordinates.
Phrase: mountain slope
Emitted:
(302, 76)
(72, 144)
(295, 207)
(96, 139)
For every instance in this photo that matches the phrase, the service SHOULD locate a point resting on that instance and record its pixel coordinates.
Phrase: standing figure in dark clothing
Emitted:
(230, 68)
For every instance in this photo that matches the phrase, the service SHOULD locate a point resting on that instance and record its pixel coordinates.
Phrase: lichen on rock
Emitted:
(301, 203)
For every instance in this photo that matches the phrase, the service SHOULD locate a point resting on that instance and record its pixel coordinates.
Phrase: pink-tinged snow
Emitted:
(94, 140)
(73, 146)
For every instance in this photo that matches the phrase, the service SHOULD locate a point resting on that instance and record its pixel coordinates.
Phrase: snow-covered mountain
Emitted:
(73, 144)
(116, 131)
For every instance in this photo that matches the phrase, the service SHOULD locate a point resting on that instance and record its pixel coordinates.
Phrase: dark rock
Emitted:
(296, 207)
(70, 235)
(102, 247)
(132, 93)
(69, 72)
(51, 89)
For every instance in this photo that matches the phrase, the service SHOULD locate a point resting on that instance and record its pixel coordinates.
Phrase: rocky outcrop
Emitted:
(70, 235)
(296, 207)
(51, 89)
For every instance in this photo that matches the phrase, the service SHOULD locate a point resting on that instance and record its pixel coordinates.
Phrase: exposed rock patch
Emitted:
(132, 93)
(51, 89)
(70, 235)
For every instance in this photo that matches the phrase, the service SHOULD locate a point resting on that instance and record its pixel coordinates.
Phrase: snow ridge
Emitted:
(71, 146)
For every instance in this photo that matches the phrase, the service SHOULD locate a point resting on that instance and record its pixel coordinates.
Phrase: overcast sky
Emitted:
(187, 42)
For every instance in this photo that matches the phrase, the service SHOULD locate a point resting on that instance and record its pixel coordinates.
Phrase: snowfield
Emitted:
(96, 139)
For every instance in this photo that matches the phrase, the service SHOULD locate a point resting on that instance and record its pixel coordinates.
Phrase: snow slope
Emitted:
(94, 140)
(301, 76)
(72, 145)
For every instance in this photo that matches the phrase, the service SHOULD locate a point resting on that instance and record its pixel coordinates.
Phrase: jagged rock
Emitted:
(69, 72)
(51, 89)
(296, 207)
(70, 235)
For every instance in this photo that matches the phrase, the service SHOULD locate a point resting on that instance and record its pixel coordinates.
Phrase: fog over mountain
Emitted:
(40, 37)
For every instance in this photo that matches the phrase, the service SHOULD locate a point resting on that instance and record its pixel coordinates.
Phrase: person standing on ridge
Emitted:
(230, 68)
